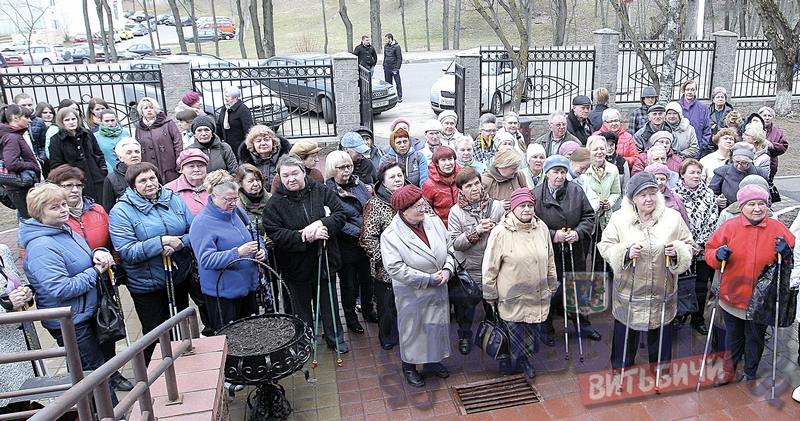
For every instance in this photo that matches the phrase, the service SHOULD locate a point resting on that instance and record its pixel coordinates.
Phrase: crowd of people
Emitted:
(172, 207)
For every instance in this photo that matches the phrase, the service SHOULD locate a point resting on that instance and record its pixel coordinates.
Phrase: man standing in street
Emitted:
(367, 57)
(392, 60)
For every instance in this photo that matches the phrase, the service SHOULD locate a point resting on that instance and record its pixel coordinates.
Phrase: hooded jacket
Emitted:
(114, 185)
(81, 151)
(58, 265)
(414, 165)
(442, 195)
(240, 120)
(499, 187)
(392, 55)
(17, 155)
(685, 136)
(622, 232)
(267, 166)
(161, 144)
(626, 146)
(354, 196)
(220, 155)
(136, 227)
(697, 114)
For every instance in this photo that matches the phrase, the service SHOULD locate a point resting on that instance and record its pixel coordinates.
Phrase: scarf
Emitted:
(111, 133)
(417, 229)
(154, 200)
(449, 179)
(255, 199)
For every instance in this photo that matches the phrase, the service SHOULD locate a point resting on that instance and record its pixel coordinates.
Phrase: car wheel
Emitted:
(46, 62)
(496, 107)
(527, 94)
(85, 60)
(326, 108)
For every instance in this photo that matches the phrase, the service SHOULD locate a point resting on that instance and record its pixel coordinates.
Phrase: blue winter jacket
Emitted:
(59, 267)
(414, 164)
(216, 235)
(136, 227)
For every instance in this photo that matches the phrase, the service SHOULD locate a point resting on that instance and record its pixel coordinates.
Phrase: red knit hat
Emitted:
(522, 195)
(405, 197)
(190, 98)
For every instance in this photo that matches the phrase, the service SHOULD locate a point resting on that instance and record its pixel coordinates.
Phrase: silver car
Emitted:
(40, 55)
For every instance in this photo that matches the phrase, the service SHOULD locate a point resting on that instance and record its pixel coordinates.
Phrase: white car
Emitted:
(22, 45)
(40, 55)
(497, 83)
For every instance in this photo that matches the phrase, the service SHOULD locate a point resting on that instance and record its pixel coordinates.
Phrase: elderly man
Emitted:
(233, 119)
(655, 123)
(511, 126)
(552, 141)
(433, 136)
(578, 119)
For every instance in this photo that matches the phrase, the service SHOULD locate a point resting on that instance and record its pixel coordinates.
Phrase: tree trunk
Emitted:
(375, 24)
(742, 15)
(348, 26)
(85, 5)
(253, 9)
(158, 37)
(403, 21)
(457, 26)
(325, 26)
(269, 28)
(110, 18)
(559, 21)
(445, 24)
(427, 25)
(214, 23)
(628, 31)
(784, 39)
(194, 27)
(173, 6)
(242, 26)
(690, 25)
(673, 39)
(101, 19)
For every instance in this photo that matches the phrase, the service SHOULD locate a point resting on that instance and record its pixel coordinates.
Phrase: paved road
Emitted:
(789, 186)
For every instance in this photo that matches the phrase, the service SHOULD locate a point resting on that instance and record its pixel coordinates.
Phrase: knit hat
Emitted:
(432, 125)
(395, 133)
(397, 121)
(354, 141)
(405, 197)
(503, 136)
(751, 192)
(743, 150)
(675, 106)
(448, 114)
(203, 120)
(522, 195)
(657, 168)
(190, 98)
(656, 107)
(662, 134)
(191, 155)
(533, 150)
(639, 182)
(306, 147)
(581, 100)
(568, 147)
(754, 179)
(555, 161)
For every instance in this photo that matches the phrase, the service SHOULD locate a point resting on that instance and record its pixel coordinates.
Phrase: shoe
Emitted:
(796, 394)
(550, 341)
(525, 366)
(464, 345)
(343, 348)
(413, 378)
(371, 316)
(595, 336)
(387, 346)
(231, 388)
(355, 327)
(437, 369)
(723, 379)
(121, 384)
(505, 368)
(700, 328)
(399, 99)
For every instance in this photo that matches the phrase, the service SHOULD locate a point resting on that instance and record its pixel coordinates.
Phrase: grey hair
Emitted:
(219, 180)
(463, 138)
(765, 108)
(125, 141)
(487, 118)
(610, 113)
(555, 114)
(233, 92)
(719, 90)
(290, 160)
(655, 148)
(148, 101)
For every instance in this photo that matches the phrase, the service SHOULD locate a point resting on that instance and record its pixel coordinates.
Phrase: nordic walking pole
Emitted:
(564, 298)
(661, 328)
(171, 294)
(316, 310)
(775, 329)
(710, 329)
(627, 328)
(119, 304)
(334, 316)
(575, 296)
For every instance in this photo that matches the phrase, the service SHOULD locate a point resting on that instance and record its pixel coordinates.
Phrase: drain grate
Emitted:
(495, 394)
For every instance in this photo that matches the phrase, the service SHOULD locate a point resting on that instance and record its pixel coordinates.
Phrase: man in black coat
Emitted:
(367, 57)
(392, 60)
(578, 119)
(233, 119)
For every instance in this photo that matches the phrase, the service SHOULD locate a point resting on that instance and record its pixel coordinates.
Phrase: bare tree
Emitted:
(375, 24)
(558, 17)
(24, 15)
(428, 25)
(457, 26)
(214, 23)
(348, 26)
(253, 9)
(194, 27)
(269, 29)
(242, 25)
(487, 10)
(690, 27)
(325, 26)
(784, 38)
(88, 27)
(173, 6)
(445, 23)
(103, 12)
(403, 21)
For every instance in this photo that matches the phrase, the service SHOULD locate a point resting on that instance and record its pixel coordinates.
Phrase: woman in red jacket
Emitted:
(748, 243)
(440, 188)
(626, 146)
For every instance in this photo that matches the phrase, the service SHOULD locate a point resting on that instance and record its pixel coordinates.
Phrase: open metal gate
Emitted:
(365, 96)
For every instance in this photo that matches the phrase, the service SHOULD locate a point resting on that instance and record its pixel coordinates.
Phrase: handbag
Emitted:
(687, 302)
(774, 194)
(761, 308)
(492, 336)
(10, 179)
(110, 325)
(461, 288)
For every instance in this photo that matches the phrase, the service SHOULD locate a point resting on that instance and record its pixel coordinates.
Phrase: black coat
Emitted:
(114, 185)
(366, 172)
(240, 121)
(367, 56)
(286, 213)
(580, 130)
(268, 167)
(392, 56)
(81, 151)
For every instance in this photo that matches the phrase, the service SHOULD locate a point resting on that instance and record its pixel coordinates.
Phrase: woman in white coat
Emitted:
(414, 249)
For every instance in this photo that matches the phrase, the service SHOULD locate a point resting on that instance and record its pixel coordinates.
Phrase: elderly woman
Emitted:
(191, 102)
(262, 148)
(519, 274)
(619, 161)
(533, 171)
(414, 249)
(465, 154)
(354, 276)
(253, 196)
(220, 155)
(748, 243)
(234, 119)
(414, 164)
(471, 220)
(189, 186)
(219, 235)
(664, 140)
(17, 154)
(775, 137)
(160, 138)
(626, 147)
(755, 135)
(603, 178)
(503, 176)
(108, 134)
(562, 204)
(717, 113)
(77, 146)
(646, 232)
(724, 141)
(725, 182)
(685, 136)
(701, 208)
(149, 223)
(129, 152)
(63, 270)
(440, 188)
(308, 151)
(671, 200)
(733, 210)
(697, 113)
(302, 237)
(450, 134)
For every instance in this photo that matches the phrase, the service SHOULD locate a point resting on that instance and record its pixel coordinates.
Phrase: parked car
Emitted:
(265, 107)
(98, 39)
(205, 35)
(41, 55)
(22, 45)
(315, 93)
(162, 19)
(497, 83)
(77, 55)
(137, 29)
(185, 21)
(12, 58)
(140, 16)
(84, 38)
(146, 50)
(223, 24)
(124, 33)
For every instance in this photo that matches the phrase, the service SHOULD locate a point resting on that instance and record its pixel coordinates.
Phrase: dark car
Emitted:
(185, 21)
(314, 90)
(206, 35)
(146, 50)
(162, 19)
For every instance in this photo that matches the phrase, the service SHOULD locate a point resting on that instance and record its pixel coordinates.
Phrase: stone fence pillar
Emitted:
(606, 63)
(176, 76)
(346, 91)
(471, 60)
(724, 60)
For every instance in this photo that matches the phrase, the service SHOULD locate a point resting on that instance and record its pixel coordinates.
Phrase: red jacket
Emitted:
(92, 225)
(439, 193)
(626, 146)
(673, 162)
(753, 248)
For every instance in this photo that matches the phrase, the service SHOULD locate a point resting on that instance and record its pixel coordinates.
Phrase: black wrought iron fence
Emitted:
(111, 82)
(459, 74)
(296, 101)
(756, 73)
(695, 61)
(365, 96)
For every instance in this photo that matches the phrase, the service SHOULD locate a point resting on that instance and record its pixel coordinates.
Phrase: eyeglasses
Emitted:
(612, 121)
(489, 130)
(421, 207)
(559, 124)
(741, 163)
(70, 186)
(344, 167)
(228, 200)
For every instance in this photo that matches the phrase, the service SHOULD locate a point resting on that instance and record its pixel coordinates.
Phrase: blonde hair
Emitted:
(335, 158)
(757, 131)
(41, 196)
(148, 101)
(261, 130)
(219, 179)
(507, 157)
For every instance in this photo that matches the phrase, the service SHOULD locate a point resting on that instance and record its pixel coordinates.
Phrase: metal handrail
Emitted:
(97, 381)
(69, 350)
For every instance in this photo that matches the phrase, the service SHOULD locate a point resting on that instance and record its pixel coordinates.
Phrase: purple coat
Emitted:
(697, 113)
(779, 146)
